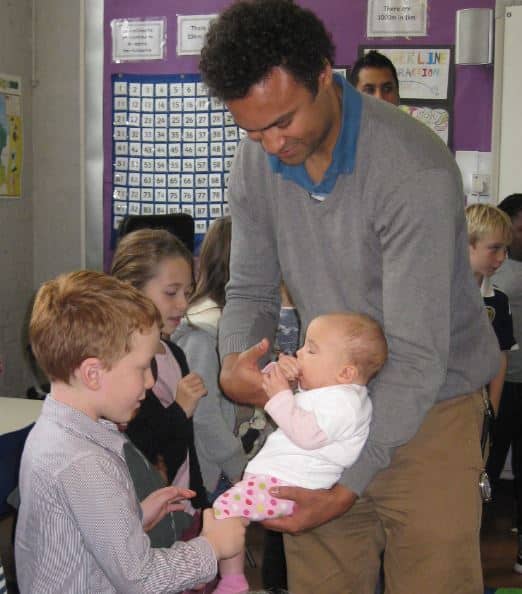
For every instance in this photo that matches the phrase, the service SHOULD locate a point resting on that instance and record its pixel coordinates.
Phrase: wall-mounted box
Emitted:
(474, 36)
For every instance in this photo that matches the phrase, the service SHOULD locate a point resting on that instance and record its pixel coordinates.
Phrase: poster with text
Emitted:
(10, 136)
(192, 30)
(396, 18)
(137, 40)
(423, 73)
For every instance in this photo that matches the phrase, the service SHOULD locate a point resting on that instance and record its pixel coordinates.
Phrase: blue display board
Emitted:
(172, 149)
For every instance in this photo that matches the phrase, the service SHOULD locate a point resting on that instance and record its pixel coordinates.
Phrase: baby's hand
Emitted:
(289, 366)
(274, 381)
(188, 392)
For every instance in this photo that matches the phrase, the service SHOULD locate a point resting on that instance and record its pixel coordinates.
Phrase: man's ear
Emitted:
(347, 374)
(325, 78)
(90, 373)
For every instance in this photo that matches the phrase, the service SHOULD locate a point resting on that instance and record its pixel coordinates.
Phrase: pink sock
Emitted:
(232, 583)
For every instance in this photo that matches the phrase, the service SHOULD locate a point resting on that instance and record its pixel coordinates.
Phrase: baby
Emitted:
(324, 426)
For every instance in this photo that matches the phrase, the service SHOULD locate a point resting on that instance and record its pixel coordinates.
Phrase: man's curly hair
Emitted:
(252, 37)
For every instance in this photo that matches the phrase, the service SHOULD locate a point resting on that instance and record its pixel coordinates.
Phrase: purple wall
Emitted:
(347, 22)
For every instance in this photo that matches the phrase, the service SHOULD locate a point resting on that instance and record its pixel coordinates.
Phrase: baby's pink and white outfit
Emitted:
(320, 433)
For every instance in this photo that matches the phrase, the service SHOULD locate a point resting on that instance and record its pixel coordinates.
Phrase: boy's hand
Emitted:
(188, 392)
(161, 502)
(290, 367)
(227, 536)
(274, 381)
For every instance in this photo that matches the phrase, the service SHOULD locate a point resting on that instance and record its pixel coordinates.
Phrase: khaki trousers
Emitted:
(423, 511)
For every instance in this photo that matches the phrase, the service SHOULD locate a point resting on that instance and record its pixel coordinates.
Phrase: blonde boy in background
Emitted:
(81, 528)
(507, 429)
(489, 235)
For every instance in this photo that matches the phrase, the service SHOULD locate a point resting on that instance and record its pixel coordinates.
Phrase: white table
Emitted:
(16, 413)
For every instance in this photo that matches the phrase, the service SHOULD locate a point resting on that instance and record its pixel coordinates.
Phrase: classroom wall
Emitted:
(347, 22)
(16, 224)
(40, 234)
(58, 213)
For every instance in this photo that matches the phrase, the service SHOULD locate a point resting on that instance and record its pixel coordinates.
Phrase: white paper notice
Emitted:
(396, 18)
(191, 33)
(137, 40)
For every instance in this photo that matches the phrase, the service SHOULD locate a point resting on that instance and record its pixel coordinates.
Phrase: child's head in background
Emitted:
(341, 348)
(94, 338)
(489, 235)
(158, 264)
(214, 260)
(512, 206)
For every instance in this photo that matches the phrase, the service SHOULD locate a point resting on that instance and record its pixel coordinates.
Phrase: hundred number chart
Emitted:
(172, 149)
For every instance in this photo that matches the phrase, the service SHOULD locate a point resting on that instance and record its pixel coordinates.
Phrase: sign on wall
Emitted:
(136, 40)
(11, 139)
(191, 33)
(172, 148)
(397, 18)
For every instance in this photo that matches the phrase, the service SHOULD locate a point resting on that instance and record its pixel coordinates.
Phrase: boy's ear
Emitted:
(90, 373)
(347, 374)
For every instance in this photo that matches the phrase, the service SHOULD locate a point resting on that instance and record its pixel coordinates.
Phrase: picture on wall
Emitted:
(424, 73)
(11, 140)
(436, 118)
(426, 83)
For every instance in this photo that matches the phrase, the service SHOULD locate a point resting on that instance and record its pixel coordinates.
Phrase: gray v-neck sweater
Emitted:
(389, 241)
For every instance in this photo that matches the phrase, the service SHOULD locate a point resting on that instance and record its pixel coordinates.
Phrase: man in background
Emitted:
(375, 74)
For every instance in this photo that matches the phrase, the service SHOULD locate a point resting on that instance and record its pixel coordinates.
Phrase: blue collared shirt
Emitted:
(343, 160)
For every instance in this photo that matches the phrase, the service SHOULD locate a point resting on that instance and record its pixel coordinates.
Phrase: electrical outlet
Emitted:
(480, 183)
